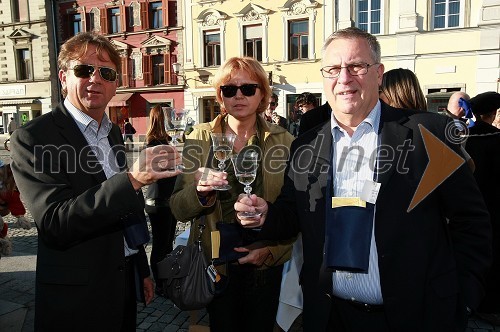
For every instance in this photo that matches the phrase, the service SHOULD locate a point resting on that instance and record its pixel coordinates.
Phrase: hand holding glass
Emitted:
(245, 169)
(223, 147)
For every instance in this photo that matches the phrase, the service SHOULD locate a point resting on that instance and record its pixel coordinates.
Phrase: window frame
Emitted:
(370, 11)
(253, 42)
(212, 45)
(23, 67)
(298, 36)
(297, 11)
(461, 15)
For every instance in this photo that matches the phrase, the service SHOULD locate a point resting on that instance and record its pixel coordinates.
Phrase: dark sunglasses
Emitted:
(85, 71)
(272, 103)
(246, 89)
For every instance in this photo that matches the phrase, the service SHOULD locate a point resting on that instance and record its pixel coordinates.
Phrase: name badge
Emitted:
(347, 201)
(370, 191)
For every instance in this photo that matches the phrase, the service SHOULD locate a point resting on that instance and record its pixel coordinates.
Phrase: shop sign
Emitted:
(12, 90)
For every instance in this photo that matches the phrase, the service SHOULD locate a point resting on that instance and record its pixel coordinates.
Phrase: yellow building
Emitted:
(452, 45)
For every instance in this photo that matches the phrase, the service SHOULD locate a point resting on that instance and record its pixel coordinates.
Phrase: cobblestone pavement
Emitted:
(17, 276)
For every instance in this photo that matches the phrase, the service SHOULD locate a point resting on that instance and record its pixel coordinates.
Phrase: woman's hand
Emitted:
(251, 203)
(206, 178)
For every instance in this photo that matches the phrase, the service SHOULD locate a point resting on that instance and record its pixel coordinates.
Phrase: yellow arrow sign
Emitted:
(443, 162)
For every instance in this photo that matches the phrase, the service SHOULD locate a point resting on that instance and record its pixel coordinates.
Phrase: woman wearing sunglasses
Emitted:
(248, 293)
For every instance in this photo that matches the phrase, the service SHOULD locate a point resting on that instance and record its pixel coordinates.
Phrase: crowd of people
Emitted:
(341, 176)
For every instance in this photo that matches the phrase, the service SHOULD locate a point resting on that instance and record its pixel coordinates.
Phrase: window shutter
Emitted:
(104, 21)
(125, 75)
(167, 68)
(123, 18)
(144, 15)
(165, 10)
(146, 67)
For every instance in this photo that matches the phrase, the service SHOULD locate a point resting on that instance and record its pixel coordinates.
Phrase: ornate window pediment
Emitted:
(297, 7)
(211, 17)
(19, 36)
(252, 12)
(121, 47)
(156, 44)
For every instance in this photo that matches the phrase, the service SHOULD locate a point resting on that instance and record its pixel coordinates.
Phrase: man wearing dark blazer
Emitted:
(426, 264)
(314, 117)
(70, 167)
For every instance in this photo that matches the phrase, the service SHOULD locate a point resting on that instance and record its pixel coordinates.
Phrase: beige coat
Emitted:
(185, 204)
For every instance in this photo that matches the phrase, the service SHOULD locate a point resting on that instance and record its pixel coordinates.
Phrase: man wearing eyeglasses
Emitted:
(372, 261)
(71, 169)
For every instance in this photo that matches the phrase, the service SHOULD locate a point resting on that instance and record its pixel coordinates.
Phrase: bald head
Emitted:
(453, 107)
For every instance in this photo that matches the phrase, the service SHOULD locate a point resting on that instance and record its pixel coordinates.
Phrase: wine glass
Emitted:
(245, 169)
(223, 147)
(178, 122)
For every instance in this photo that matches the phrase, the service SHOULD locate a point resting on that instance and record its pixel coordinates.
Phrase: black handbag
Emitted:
(187, 277)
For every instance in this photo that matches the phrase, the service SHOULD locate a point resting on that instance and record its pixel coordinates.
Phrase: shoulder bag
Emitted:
(187, 277)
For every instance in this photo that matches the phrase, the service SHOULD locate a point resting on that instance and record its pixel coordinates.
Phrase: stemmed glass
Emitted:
(176, 121)
(245, 169)
(223, 147)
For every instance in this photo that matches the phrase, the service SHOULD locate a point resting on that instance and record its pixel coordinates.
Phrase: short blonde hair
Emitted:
(253, 68)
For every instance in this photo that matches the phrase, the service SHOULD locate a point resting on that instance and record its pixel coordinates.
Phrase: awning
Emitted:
(18, 101)
(119, 100)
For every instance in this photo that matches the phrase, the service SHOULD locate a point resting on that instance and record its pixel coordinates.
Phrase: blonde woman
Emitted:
(247, 296)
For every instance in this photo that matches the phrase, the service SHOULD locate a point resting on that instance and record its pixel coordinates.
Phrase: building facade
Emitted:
(28, 86)
(452, 45)
(146, 35)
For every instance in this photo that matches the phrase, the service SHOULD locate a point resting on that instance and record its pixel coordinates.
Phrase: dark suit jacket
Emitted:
(79, 215)
(430, 269)
(314, 117)
(483, 145)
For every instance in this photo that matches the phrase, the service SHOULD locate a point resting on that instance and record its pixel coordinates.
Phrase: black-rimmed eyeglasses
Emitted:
(354, 69)
(246, 89)
(85, 71)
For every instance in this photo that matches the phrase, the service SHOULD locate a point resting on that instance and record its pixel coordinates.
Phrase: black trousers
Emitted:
(249, 301)
(346, 317)
(163, 225)
(130, 304)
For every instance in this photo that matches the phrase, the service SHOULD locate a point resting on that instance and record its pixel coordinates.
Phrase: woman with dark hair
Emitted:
(157, 197)
(400, 88)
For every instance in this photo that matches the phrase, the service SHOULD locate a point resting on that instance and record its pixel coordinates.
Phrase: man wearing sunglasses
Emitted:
(375, 260)
(70, 166)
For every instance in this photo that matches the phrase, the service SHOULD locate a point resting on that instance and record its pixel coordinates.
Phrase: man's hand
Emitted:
(251, 204)
(148, 289)
(154, 163)
(256, 256)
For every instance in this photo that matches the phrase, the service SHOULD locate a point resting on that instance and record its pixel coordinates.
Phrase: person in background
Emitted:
(483, 144)
(400, 89)
(157, 198)
(71, 169)
(128, 131)
(459, 110)
(294, 122)
(496, 122)
(247, 294)
(273, 103)
(12, 126)
(306, 102)
(374, 259)
(314, 117)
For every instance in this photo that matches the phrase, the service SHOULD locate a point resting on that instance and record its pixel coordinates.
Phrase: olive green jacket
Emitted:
(186, 205)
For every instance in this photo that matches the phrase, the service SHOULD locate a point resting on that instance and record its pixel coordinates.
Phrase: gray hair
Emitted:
(353, 33)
